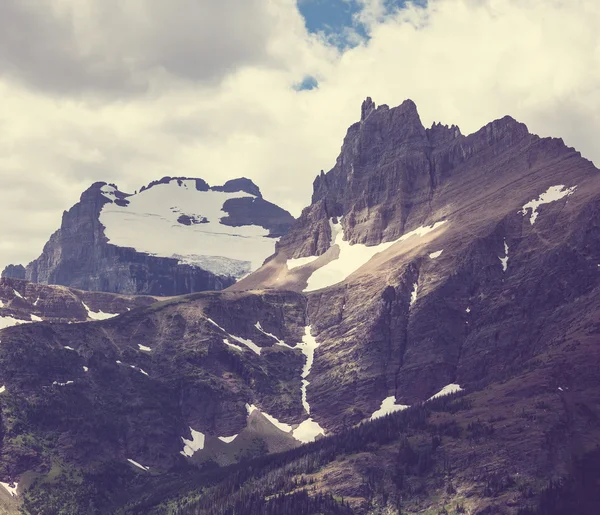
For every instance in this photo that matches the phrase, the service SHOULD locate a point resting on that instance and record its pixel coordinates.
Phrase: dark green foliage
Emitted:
(579, 494)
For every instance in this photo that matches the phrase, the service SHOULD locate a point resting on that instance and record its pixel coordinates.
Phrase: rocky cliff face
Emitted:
(428, 262)
(444, 270)
(158, 242)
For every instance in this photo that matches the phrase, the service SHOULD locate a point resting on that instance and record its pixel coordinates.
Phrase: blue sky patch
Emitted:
(307, 84)
(336, 18)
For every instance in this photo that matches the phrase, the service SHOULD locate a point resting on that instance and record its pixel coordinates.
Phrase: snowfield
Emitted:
(149, 224)
(388, 405)
(193, 445)
(446, 390)
(352, 257)
(552, 194)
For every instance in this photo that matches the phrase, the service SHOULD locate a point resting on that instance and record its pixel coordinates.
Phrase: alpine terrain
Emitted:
(423, 339)
(174, 236)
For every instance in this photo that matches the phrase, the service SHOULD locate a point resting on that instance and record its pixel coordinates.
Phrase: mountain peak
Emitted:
(240, 184)
(367, 107)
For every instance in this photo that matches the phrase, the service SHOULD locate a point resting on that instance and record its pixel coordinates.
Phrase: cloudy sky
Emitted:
(128, 91)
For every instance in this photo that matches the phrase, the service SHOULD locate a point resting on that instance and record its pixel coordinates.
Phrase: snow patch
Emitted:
(237, 347)
(98, 315)
(504, 259)
(149, 224)
(227, 439)
(352, 257)
(552, 194)
(435, 255)
(144, 348)
(286, 428)
(9, 321)
(85, 369)
(2, 389)
(139, 370)
(56, 383)
(468, 310)
(35, 303)
(11, 488)
(193, 445)
(248, 343)
(18, 294)
(35, 318)
(446, 390)
(308, 431)
(68, 348)
(108, 192)
(298, 262)
(388, 405)
(413, 295)
(135, 463)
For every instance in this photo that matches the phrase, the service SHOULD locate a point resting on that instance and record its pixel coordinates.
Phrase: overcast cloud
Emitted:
(130, 91)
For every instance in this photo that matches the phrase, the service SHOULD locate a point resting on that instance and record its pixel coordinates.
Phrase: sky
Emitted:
(130, 91)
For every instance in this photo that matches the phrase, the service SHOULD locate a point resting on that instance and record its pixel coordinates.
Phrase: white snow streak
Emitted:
(144, 348)
(504, 259)
(446, 390)
(388, 405)
(413, 295)
(18, 294)
(435, 255)
(227, 439)
(286, 428)
(352, 257)
(237, 347)
(552, 194)
(10, 321)
(68, 348)
(98, 315)
(248, 343)
(56, 383)
(307, 346)
(35, 318)
(139, 370)
(11, 488)
(193, 445)
(138, 465)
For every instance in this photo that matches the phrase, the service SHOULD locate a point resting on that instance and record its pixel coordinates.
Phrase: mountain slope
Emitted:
(427, 263)
(175, 236)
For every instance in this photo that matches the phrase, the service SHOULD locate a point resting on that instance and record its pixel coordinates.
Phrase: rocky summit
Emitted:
(174, 236)
(424, 339)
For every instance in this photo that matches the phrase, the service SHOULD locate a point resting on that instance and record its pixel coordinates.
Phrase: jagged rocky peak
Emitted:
(393, 176)
(176, 235)
(14, 272)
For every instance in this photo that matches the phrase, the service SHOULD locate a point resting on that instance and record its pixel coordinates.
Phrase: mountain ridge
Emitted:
(427, 263)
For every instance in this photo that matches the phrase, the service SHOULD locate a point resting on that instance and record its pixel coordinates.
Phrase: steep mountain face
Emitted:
(451, 279)
(458, 230)
(175, 236)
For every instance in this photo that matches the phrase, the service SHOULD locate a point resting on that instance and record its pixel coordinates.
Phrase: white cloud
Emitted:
(190, 91)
